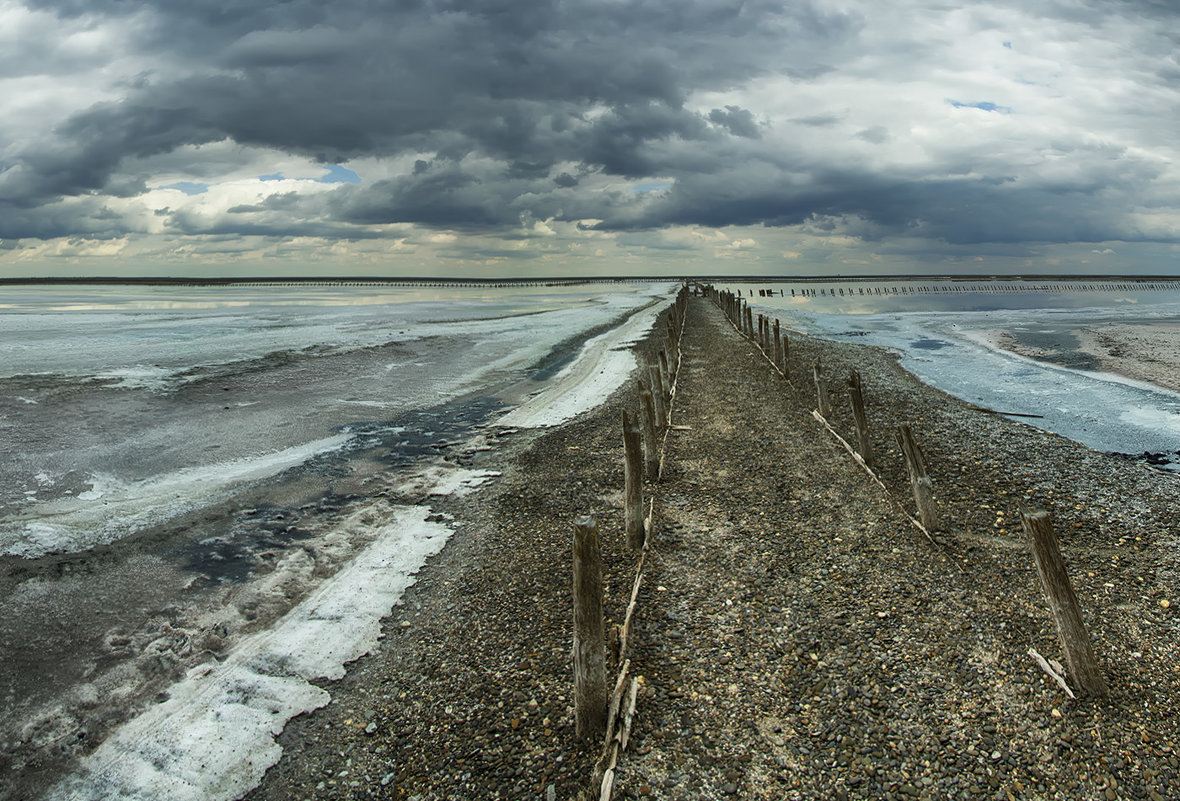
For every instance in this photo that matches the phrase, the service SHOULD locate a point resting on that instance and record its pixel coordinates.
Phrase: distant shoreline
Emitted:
(1046, 281)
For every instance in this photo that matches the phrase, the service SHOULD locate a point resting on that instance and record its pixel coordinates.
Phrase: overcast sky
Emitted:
(528, 137)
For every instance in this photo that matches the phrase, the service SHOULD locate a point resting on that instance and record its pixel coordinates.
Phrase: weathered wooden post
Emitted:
(821, 391)
(633, 481)
(778, 346)
(666, 375)
(651, 442)
(786, 356)
(1063, 604)
(657, 388)
(590, 695)
(856, 396)
(920, 482)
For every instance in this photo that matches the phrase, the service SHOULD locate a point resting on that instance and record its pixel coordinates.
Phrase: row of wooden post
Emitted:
(642, 430)
(1055, 582)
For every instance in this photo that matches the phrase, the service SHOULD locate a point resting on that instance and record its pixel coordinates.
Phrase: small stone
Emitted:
(1165, 603)
(386, 779)
(371, 728)
(1055, 712)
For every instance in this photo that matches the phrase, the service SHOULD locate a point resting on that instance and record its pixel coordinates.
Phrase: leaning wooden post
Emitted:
(920, 482)
(666, 375)
(786, 356)
(590, 695)
(633, 481)
(1063, 604)
(821, 391)
(651, 446)
(856, 396)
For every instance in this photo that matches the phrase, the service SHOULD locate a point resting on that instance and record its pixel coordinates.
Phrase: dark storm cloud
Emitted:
(521, 110)
(349, 79)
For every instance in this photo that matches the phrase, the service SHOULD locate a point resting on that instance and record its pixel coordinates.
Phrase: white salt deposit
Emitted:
(214, 737)
(599, 369)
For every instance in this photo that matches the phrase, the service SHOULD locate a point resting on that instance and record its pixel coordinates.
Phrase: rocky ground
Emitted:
(798, 637)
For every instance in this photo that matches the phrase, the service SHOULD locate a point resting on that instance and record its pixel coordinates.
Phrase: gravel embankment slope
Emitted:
(797, 636)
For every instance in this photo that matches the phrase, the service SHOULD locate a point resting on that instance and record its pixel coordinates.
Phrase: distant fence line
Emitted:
(979, 288)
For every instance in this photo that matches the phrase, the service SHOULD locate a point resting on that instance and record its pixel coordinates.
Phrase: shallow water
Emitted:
(185, 466)
(938, 329)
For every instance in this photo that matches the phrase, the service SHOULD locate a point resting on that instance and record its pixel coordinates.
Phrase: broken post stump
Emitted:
(920, 482)
(590, 696)
(632, 481)
(1063, 604)
(856, 397)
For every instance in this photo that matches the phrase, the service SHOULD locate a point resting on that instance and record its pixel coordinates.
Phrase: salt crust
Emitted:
(214, 736)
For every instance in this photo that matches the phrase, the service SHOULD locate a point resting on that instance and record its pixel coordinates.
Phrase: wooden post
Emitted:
(786, 356)
(666, 375)
(856, 396)
(633, 481)
(1063, 604)
(821, 392)
(657, 388)
(651, 442)
(778, 346)
(590, 696)
(920, 483)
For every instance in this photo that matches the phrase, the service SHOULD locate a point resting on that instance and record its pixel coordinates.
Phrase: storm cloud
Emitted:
(1004, 122)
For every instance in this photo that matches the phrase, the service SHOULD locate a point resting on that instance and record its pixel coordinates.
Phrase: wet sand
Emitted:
(1147, 352)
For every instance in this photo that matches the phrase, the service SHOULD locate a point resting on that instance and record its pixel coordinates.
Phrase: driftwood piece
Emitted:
(628, 714)
(1063, 604)
(1053, 673)
(590, 699)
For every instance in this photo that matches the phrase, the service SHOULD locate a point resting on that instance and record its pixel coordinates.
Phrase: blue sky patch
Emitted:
(274, 176)
(339, 175)
(986, 105)
(188, 187)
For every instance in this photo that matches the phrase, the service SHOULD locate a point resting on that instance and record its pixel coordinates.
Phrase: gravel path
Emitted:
(797, 636)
